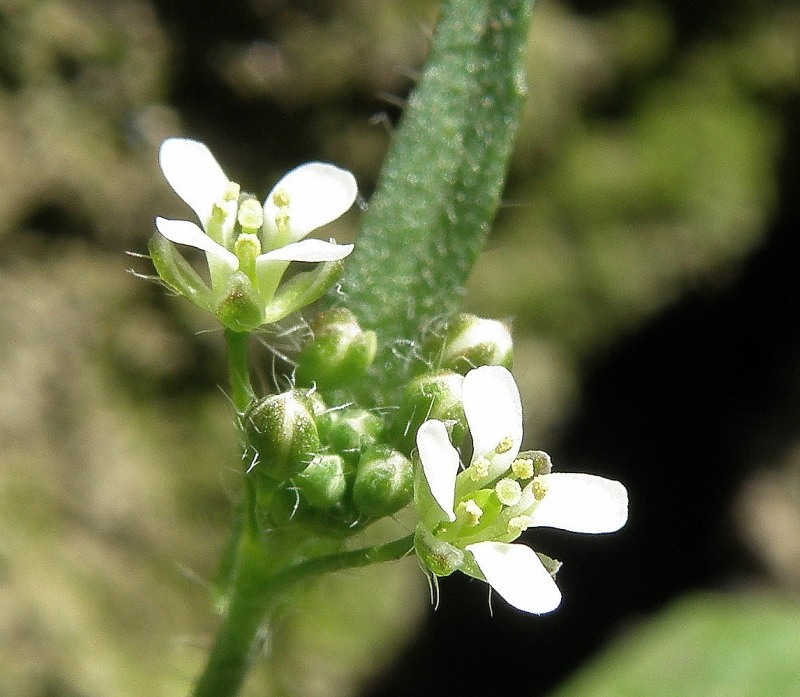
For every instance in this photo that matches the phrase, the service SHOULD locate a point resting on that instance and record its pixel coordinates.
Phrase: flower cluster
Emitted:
(249, 245)
(470, 517)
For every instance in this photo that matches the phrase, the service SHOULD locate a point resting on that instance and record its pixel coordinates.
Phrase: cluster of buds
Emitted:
(249, 245)
(323, 468)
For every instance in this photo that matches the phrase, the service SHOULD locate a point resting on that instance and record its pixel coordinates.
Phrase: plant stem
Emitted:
(258, 590)
(241, 389)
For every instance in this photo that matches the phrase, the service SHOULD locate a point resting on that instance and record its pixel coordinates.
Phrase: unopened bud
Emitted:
(349, 431)
(282, 431)
(323, 482)
(384, 482)
(432, 396)
(470, 342)
(338, 354)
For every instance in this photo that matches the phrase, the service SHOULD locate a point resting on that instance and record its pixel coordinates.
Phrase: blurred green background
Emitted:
(646, 254)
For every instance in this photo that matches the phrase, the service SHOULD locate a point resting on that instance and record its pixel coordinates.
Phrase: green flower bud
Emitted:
(384, 482)
(323, 483)
(349, 431)
(431, 396)
(439, 557)
(469, 342)
(240, 306)
(282, 431)
(338, 354)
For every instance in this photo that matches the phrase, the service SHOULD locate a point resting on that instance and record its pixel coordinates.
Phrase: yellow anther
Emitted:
(478, 469)
(504, 445)
(508, 491)
(470, 511)
(522, 468)
(280, 198)
(539, 489)
(251, 215)
(518, 524)
(232, 192)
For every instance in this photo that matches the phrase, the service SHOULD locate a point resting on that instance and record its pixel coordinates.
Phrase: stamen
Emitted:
(508, 491)
(478, 469)
(522, 468)
(518, 524)
(280, 198)
(539, 489)
(504, 445)
(232, 192)
(470, 511)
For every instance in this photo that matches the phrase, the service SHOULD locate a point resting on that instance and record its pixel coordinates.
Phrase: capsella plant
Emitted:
(396, 400)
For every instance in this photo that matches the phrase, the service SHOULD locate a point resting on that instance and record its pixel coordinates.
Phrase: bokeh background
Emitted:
(647, 253)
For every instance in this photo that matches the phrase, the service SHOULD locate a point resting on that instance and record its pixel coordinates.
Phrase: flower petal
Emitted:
(318, 193)
(581, 503)
(518, 576)
(440, 462)
(308, 250)
(193, 173)
(494, 411)
(185, 232)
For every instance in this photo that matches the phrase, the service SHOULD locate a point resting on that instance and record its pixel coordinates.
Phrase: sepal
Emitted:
(437, 556)
(177, 273)
(302, 289)
(239, 307)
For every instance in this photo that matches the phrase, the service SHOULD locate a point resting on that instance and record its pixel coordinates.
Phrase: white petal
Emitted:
(193, 173)
(308, 250)
(318, 194)
(518, 576)
(581, 503)
(440, 463)
(494, 411)
(185, 232)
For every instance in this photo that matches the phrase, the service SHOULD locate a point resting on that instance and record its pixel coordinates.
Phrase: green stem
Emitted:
(258, 591)
(241, 389)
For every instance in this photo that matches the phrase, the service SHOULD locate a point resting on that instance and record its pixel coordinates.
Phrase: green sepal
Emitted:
(384, 482)
(301, 290)
(178, 273)
(239, 307)
(281, 430)
(439, 557)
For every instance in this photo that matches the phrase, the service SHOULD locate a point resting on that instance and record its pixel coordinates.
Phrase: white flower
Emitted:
(308, 197)
(242, 236)
(575, 502)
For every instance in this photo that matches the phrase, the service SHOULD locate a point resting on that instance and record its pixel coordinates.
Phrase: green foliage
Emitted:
(702, 645)
(441, 185)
